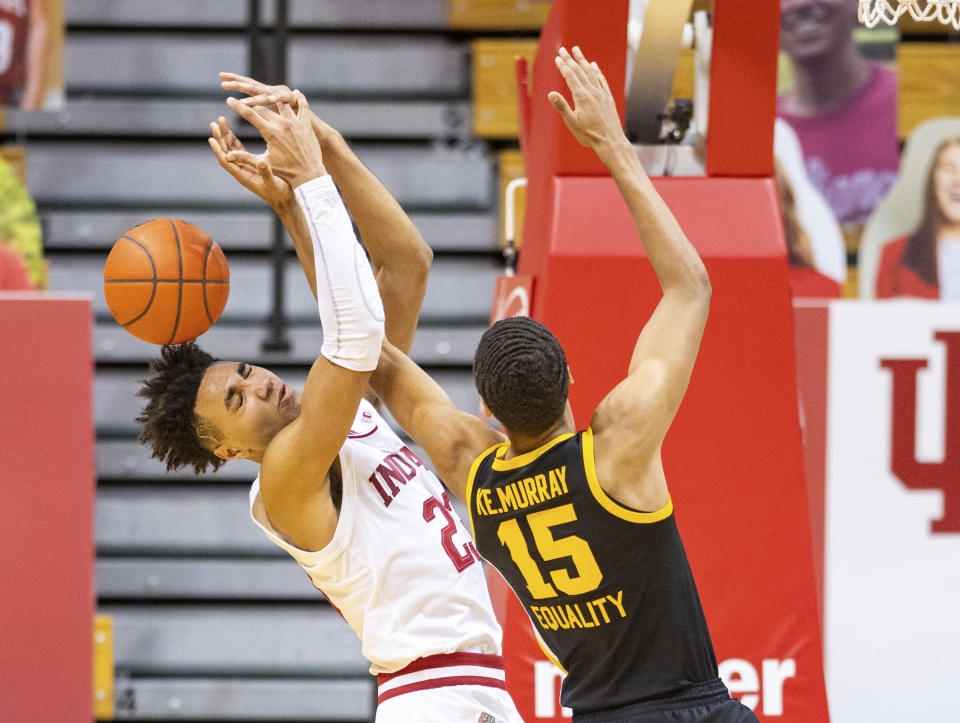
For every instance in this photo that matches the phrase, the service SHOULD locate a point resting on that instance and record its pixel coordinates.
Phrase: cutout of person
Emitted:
(815, 247)
(24, 45)
(843, 107)
(911, 244)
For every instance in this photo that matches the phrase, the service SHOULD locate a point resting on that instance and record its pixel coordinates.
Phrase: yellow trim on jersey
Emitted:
(608, 503)
(500, 464)
(546, 651)
(470, 478)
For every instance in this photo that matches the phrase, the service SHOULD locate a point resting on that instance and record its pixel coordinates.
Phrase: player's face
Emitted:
(811, 29)
(946, 183)
(248, 404)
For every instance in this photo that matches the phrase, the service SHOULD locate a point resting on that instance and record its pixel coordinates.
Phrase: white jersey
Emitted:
(401, 568)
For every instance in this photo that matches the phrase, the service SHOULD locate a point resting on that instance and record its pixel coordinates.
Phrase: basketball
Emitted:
(166, 281)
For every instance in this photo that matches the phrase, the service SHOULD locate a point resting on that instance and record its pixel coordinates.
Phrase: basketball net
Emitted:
(873, 12)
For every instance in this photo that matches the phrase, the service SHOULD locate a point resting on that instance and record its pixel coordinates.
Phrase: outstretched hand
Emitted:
(593, 119)
(256, 178)
(257, 93)
(293, 151)
(261, 94)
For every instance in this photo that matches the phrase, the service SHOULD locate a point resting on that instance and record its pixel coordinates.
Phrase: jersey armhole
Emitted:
(471, 476)
(543, 647)
(607, 502)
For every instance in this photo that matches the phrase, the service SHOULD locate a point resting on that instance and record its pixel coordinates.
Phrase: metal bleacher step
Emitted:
(253, 639)
(122, 460)
(166, 63)
(179, 518)
(338, 15)
(251, 229)
(432, 346)
(345, 700)
(183, 578)
(94, 116)
(184, 173)
(459, 290)
(116, 405)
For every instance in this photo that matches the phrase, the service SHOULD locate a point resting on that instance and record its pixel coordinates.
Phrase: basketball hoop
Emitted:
(873, 12)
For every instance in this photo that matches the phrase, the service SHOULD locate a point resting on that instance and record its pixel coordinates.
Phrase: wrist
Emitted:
(308, 174)
(286, 204)
(611, 150)
(329, 138)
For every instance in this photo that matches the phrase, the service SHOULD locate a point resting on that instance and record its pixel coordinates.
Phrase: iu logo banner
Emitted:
(892, 511)
(945, 474)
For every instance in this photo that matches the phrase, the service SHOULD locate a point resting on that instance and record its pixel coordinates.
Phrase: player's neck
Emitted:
(523, 443)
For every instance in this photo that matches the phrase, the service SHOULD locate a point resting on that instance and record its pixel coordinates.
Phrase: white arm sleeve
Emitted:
(351, 311)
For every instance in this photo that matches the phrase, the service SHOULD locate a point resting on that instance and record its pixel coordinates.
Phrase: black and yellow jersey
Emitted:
(608, 589)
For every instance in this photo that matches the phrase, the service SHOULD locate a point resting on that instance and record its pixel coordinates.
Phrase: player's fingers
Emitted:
(601, 78)
(222, 159)
(572, 69)
(221, 131)
(256, 116)
(258, 99)
(224, 129)
(252, 159)
(567, 69)
(560, 103)
(300, 103)
(581, 60)
(265, 171)
(285, 110)
(234, 81)
(235, 76)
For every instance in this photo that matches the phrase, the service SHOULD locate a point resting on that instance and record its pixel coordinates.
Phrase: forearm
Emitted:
(350, 308)
(293, 220)
(401, 258)
(675, 261)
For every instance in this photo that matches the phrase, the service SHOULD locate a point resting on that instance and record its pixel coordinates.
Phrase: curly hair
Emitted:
(521, 373)
(170, 425)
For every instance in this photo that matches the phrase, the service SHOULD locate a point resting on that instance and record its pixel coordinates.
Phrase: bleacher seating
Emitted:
(210, 620)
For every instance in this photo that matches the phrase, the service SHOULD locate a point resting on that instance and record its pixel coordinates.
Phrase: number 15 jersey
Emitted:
(608, 589)
(401, 568)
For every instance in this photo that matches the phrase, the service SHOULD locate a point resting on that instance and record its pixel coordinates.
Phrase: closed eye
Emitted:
(244, 370)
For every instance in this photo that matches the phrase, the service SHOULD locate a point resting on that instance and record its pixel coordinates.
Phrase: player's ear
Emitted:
(569, 374)
(224, 452)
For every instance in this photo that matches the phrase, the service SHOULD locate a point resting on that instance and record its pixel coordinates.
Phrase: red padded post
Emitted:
(47, 482)
(743, 84)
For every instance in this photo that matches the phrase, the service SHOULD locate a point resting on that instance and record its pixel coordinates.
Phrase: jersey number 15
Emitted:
(588, 574)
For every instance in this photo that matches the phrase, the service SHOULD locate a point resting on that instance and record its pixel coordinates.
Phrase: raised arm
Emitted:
(451, 438)
(293, 473)
(401, 258)
(631, 422)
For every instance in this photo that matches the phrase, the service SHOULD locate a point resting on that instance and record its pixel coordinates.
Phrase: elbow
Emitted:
(423, 260)
(695, 283)
(702, 283)
(417, 270)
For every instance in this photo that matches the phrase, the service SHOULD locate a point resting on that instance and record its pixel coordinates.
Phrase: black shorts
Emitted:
(702, 703)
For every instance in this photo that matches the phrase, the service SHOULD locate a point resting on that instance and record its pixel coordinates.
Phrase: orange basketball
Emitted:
(166, 281)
